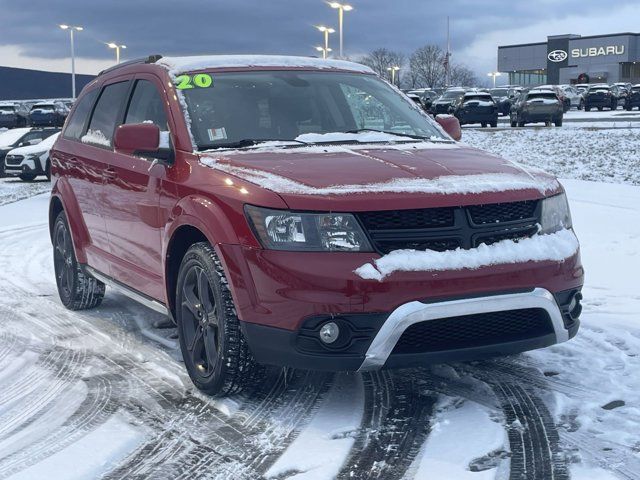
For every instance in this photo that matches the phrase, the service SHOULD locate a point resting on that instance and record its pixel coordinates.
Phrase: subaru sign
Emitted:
(557, 56)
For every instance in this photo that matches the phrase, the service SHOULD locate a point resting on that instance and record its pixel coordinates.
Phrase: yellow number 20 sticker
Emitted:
(200, 80)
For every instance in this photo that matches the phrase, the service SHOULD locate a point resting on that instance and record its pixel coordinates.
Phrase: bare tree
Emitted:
(381, 59)
(426, 67)
(463, 76)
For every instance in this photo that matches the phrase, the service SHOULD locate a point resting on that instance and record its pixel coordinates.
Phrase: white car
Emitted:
(573, 94)
(30, 161)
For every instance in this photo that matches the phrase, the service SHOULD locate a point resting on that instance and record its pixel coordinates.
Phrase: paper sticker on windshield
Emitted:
(199, 80)
(216, 134)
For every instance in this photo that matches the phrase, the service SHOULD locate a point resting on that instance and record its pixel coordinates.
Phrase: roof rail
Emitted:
(149, 59)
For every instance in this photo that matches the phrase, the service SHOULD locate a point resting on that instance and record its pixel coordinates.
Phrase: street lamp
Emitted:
(326, 31)
(393, 71)
(494, 75)
(72, 28)
(117, 47)
(325, 51)
(341, 9)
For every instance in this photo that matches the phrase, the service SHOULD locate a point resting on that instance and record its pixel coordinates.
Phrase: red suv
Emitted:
(304, 213)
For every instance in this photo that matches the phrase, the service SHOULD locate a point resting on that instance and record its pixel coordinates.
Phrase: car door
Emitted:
(132, 192)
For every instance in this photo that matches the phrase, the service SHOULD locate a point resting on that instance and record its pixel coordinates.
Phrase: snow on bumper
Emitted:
(556, 247)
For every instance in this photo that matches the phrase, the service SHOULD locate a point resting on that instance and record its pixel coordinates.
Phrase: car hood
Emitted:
(407, 175)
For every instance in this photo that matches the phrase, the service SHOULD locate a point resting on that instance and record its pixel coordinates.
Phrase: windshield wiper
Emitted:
(397, 134)
(250, 142)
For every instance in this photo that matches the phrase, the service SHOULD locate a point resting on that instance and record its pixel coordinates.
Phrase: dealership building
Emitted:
(573, 59)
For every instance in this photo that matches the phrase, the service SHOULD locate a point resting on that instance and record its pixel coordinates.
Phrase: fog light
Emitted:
(329, 332)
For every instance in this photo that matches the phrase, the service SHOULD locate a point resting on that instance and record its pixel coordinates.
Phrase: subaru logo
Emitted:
(557, 56)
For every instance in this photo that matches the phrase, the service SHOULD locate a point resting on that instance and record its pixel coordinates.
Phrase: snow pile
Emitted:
(556, 247)
(178, 65)
(611, 155)
(96, 137)
(462, 184)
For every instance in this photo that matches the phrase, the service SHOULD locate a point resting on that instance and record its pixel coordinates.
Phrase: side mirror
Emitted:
(141, 139)
(451, 125)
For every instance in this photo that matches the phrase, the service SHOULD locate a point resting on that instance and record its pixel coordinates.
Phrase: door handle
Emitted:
(110, 173)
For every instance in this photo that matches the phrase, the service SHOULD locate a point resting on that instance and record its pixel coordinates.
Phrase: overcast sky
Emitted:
(30, 38)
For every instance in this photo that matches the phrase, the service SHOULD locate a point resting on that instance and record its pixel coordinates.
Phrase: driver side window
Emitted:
(146, 106)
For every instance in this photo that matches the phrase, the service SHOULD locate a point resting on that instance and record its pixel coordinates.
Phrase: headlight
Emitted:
(312, 232)
(555, 214)
(33, 156)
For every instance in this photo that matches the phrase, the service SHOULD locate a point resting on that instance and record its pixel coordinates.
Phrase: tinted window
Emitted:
(103, 120)
(146, 105)
(75, 125)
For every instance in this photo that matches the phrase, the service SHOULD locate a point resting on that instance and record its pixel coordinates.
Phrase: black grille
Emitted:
(13, 159)
(470, 331)
(409, 219)
(442, 229)
(502, 212)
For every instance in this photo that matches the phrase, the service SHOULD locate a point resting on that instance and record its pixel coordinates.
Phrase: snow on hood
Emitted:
(362, 137)
(423, 167)
(177, 65)
(556, 247)
(41, 147)
(10, 137)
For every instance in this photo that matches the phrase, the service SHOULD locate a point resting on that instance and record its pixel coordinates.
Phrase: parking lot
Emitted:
(104, 392)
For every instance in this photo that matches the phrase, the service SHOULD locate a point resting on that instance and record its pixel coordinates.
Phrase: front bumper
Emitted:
(281, 296)
(29, 167)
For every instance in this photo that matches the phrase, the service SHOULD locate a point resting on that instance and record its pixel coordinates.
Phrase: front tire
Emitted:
(77, 290)
(27, 177)
(215, 352)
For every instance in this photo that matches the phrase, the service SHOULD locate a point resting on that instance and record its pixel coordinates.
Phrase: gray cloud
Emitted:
(265, 26)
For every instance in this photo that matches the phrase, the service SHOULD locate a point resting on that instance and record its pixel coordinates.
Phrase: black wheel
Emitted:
(215, 352)
(521, 124)
(614, 106)
(600, 109)
(587, 109)
(547, 124)
(77, 290)
(494, 124)
(627, 108)
(484, 124)
(47, 170)
(581, 105)
(514, 123)
(27, 177)
(558, 122)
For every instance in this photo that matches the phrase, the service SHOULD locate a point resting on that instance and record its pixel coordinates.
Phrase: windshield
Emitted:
(600, 87)
(482, 98)
(547, 95)
(452, 95)
(7, 109)
(499, 92)
(237, 108)
(43, 106)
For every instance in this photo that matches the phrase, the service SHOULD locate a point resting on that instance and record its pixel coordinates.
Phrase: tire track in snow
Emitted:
(395, 424)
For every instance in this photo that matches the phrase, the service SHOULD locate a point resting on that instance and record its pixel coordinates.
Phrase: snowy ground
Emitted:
(102, 393)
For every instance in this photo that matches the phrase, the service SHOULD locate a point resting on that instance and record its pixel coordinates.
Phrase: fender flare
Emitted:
(63, 192)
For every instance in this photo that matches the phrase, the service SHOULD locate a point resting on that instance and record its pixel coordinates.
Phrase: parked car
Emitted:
(445, 103)
(633, 99)
(582, 87)
(537, 105)
(477, 107)
(427, 96)
(48, 114)
(21, 137)
(30, 161)
(12, 115)
(601, 96)
(279, 252)
(501, 96)
(624, 87)
(560, 93)
(573, 96)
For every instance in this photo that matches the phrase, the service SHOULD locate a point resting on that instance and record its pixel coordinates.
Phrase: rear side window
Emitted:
(105, 114)
(146, 105)
(77, 121)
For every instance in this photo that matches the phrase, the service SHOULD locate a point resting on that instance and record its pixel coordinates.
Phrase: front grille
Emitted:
(13, 160)
(477, 330)
(442, 229)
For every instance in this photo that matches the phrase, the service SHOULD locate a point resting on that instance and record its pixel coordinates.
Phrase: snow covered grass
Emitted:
(611, 155)
(13, 189)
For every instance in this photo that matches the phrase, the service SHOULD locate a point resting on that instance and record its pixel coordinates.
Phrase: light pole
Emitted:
(393, 71)
(72, 28)
(494, 75)
(117, 47)
(326, 31)
(325, 51)
(341, 9)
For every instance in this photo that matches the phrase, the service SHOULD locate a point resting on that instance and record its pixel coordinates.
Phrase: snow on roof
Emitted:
(11, 136)
(177, 65)
(556, 247)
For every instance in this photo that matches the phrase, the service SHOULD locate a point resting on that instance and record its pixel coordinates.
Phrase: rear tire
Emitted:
(494, 124)
(77, 290)
(587, 109)
(600, 109)
(214, 349)
(484, 124)
(521, 124)
(558, 122)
